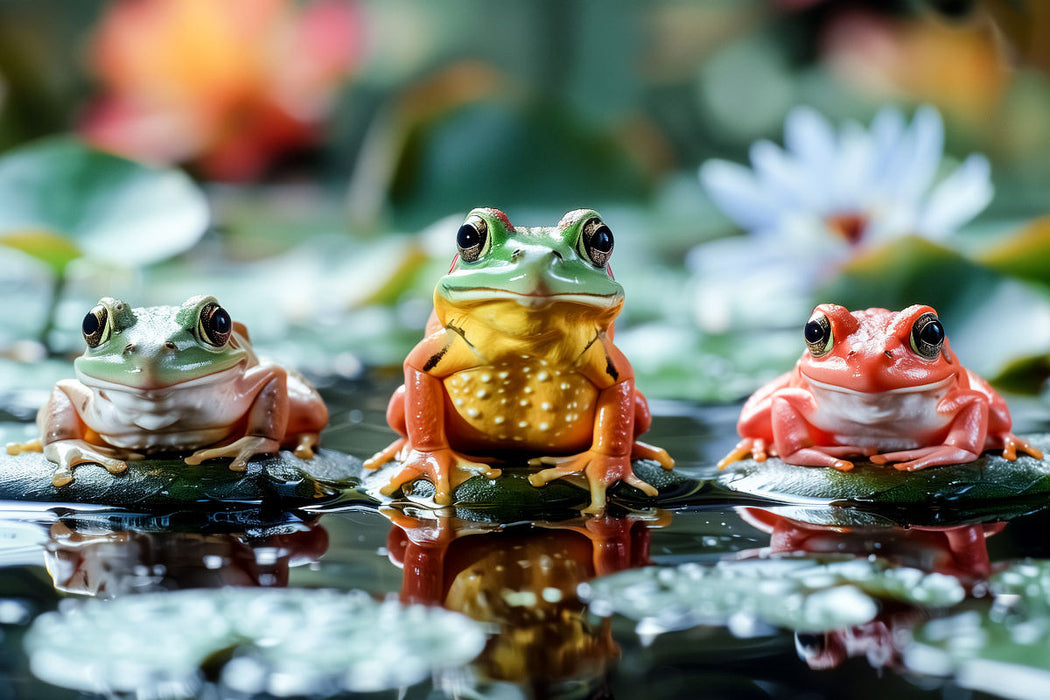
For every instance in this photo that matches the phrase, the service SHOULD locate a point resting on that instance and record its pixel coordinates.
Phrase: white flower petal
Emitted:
(959, 198)
(853, 170)
(810, 138)
(734, 189)
(918, 155)
(785, 178)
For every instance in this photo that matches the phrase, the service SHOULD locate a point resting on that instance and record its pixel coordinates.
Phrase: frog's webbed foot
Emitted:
(385, 455)
(1013, 444)
(823, 456)
(304, 448)
(755, 448)
(67, 454)
(643, 450)
(913, 460)
(241, 450)
(445, 468)
(599, 469)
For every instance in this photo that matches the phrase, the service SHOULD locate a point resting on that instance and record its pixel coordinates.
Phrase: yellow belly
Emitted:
(523, 404)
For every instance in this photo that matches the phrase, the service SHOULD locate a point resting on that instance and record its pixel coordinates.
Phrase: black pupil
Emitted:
(602, 240)
(468, 237)
(220, 321)
(814, 332)
(932, 333)
(91, 324)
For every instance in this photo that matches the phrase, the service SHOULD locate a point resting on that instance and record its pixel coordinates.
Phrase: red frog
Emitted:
(879, 384)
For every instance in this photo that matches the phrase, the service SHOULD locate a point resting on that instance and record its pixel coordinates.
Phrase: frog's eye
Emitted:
(596, 243)
(472, 239)
(927, 336)
(817, 332)
(96, 326)
(215, 325)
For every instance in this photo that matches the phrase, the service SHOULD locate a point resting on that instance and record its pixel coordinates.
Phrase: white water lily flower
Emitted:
(866, 185)
(809, 205)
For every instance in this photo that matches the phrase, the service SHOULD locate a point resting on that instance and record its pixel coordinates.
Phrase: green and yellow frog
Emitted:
(173, 379)
(519, 356)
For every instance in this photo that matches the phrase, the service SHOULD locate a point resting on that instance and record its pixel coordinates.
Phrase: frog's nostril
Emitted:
(169, 345)
(557, 255)
(888, 354)
(129, 348)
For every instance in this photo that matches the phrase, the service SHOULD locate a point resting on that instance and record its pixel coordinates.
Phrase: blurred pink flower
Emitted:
(228, 85)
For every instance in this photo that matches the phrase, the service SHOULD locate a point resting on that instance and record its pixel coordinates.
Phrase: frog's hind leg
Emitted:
(395, 417)
(17, 448)
(304, 447)
(643, 450)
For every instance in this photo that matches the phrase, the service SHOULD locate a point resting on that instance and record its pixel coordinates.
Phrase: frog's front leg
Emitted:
(267, 421)
(62, 435)
(427, 450)
(609, 458)
(793, 434)
(965, 440)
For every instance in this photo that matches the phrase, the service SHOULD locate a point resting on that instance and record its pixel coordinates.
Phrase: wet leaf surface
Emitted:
(512, 498)
(801, 593)
(166, 483)
(289, 642)
(989, 482)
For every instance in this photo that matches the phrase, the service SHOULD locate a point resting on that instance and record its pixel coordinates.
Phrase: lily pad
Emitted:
(60, 199)
(800, 593)
(281, 642)
(1002, 648)
(989, 483)
(155, 484)
(511, 498)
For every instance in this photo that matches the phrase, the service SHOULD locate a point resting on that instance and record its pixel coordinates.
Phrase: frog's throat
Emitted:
(918, 388)
(536, 300)
(224, 375)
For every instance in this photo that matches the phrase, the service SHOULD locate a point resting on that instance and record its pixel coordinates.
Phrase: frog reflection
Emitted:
(96, 560)
(524, 580)
(959, 551)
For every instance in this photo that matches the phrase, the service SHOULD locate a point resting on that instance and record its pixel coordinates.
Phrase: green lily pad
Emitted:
(279, 642)
(511, 497)
(60, 199)
(1001, 647)
(800, 593)
(989, 483)
(171, 483)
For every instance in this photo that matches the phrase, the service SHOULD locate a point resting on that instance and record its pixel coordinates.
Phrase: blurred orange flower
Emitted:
(229, 85)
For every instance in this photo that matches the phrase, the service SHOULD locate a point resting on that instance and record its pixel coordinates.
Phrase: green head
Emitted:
(159, 346)
(534, 267)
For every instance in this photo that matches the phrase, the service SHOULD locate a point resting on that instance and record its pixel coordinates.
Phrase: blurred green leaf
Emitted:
(58, 196)
(1025, 255)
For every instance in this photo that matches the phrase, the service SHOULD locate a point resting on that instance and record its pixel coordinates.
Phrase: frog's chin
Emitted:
(139, 382)
(914, 389)
(534, 300)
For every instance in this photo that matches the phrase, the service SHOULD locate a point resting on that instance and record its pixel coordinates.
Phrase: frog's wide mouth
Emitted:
(535, 298)
(917, 389)
(160, 388)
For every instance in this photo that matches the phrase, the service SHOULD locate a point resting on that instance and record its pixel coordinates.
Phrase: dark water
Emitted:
(521, 580)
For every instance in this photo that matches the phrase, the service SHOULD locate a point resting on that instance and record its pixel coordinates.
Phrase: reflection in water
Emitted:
(959, 551)
(524, 580)
(104, 560)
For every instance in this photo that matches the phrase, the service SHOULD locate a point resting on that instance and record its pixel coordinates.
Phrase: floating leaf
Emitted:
(283, 642)
(165, 483)
(511, 497)
(988, 483)
(806, 594)
(96, 204)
